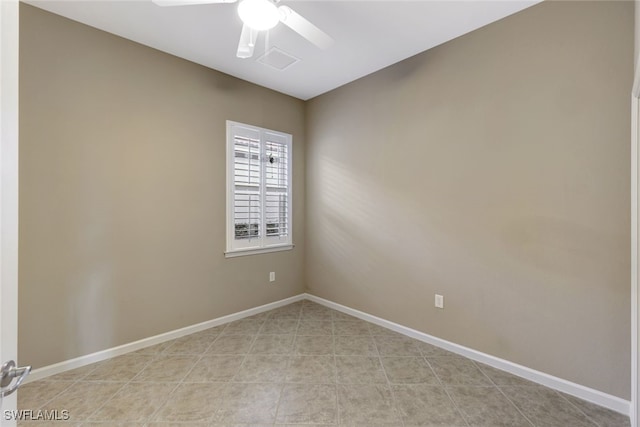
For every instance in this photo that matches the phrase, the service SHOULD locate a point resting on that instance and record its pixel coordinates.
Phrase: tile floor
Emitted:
(302, 364)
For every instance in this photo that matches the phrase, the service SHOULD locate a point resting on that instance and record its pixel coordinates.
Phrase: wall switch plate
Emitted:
(272, 276)
(439, 301)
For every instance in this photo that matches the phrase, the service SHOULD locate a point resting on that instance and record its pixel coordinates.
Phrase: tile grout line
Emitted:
(333, 355)
(384, 370)
(211, 420)
(244, 358)
(576, 407)
(88, 418)
(69, 387)
(455, 404)
(173, 390)
(503, 393)
(71, 384)
(284, 380)
(153, 357)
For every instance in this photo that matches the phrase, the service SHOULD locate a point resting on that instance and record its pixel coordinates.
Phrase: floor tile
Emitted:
(429, 350)
(358, 345)
(603, 416)
(487, 407)
(359, 370)
(426, 405)
(121, 368)
(307, 404)
(279, 326)
(366, 405)
(296, 425)
(358, 327)
(263, 368)
(25, 423)
(109, 424)
(311, 370)
(383, 332)
(249, 403)
(214, 330)
(502, 378)
(315, 327)
(260, 316)
(313, 344)
(170, 424)
(190, 344)
(154, 350)
(214, 368)
(396, 346)
(243, 327)
(343, 316)
(34, 395)
(193, 403)
(135, 402)
(273, 344)
(167, 368)
(286, 312)
(83, 399)
(546, 408)
(316, 313)
(458, 371)
(231, 344)
(408, 370)
(178, 424)
(242, 425)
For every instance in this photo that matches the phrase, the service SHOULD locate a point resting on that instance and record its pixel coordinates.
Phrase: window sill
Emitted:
(242, 252)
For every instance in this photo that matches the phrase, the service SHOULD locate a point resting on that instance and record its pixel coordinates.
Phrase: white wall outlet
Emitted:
(272, 276)
(439, 301)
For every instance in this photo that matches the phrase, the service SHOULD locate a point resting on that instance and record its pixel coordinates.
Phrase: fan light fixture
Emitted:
(262, 15)
(259, 15)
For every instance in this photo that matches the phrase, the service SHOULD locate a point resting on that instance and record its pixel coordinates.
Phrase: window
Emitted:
(258, 190)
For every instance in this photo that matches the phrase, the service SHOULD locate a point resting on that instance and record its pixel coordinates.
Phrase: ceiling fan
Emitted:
(262, 15)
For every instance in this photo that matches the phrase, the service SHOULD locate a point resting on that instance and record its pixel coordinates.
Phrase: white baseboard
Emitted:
(78, 362)
(594, 396)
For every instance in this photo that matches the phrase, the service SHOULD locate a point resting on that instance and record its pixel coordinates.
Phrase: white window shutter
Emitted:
(277, 185)
(258, 189)
(244, 202)
(247, 205)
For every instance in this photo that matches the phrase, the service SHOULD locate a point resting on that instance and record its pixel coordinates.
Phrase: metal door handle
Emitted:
(7, 373)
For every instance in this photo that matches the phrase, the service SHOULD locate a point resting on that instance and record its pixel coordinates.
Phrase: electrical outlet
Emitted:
(439, 302)
(272, 276)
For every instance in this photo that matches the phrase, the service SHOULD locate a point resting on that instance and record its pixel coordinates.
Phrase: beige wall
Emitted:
(637, 31)
(494, 170)
(122, 192)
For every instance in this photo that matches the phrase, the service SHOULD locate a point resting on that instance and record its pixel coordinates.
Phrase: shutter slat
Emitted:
(247, 210)
(277, 189)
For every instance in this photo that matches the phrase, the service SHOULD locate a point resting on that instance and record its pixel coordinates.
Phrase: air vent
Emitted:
(278, 59)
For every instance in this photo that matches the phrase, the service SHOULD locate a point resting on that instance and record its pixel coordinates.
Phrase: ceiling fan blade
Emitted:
(189, 2)
(247, 42)
(306, 29)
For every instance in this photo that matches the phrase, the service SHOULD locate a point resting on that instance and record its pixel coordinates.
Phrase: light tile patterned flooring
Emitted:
(302, 364)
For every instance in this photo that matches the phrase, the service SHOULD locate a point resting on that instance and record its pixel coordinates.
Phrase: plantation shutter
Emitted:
(247, 179)
(276, 189)
(259, 188)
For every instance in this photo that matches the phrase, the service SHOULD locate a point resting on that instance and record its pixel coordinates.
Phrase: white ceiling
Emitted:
(369, 35)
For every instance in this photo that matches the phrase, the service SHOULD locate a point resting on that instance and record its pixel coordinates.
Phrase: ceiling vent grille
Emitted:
(278, 59)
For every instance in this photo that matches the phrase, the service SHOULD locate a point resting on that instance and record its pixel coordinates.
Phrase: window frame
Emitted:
(263, 243)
